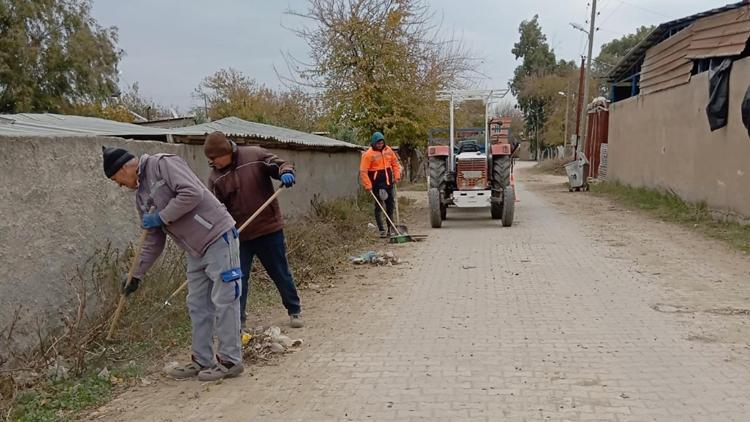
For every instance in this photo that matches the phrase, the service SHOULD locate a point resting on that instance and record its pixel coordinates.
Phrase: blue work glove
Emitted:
(152, 220)
(287, 180)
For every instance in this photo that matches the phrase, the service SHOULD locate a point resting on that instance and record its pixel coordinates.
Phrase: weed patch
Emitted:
(669, 207)
(64, 374)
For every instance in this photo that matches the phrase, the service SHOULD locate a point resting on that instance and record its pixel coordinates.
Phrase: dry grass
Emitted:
(319, 241)
(669, 207)
(317, 246)
(420, 186)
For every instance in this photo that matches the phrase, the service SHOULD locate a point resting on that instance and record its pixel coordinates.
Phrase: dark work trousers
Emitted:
(388, 204)
(271, 250)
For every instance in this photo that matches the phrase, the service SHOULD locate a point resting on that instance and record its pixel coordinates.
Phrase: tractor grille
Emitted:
(471, 174)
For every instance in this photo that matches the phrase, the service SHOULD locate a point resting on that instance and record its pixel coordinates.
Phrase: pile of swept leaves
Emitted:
(262, 345)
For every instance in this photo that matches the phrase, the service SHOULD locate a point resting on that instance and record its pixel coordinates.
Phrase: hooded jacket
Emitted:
(379, 169)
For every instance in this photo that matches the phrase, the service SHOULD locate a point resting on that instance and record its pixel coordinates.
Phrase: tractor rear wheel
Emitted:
(509, 205)
(501, 172)
(438, 173)
(433, 197)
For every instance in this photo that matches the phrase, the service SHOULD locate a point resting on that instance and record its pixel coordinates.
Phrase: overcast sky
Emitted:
(170, 45)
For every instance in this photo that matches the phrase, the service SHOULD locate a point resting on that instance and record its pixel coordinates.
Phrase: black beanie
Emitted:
(114, 159)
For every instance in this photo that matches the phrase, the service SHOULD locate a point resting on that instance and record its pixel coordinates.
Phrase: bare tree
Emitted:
(379, 65)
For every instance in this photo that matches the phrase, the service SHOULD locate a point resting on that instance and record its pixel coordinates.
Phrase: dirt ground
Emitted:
(581, 311)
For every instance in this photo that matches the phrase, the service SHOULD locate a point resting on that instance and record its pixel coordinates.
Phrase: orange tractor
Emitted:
(472, 167)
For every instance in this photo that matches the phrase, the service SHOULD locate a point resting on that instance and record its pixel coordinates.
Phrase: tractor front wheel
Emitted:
(509, 205)
(436, 208)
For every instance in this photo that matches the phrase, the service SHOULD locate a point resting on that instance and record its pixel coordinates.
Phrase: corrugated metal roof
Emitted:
(238, 128)
(660, 33)
(29, 124)
(665, 65)
(724, 34)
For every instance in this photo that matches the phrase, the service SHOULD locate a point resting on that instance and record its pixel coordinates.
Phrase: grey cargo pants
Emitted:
(213, 301)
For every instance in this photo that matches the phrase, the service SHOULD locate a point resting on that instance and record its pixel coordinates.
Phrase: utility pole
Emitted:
(567, 115)
(592, 29)
(579, 105)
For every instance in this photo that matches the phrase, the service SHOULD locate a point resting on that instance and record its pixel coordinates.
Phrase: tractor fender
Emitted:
(500, 149)
(438, 151)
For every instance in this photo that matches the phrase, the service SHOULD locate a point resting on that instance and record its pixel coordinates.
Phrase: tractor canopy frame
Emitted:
(455, 97)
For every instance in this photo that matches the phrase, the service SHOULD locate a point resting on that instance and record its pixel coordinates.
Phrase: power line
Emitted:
(612, 13)
(646, 9)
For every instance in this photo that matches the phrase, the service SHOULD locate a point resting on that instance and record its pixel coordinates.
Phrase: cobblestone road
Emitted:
(531, 323)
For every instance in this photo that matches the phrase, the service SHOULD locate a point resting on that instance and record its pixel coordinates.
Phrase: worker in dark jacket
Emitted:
(241, 180)
(379, 171)
(171, 200)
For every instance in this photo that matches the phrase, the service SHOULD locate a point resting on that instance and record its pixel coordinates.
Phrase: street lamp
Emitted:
(579, 27)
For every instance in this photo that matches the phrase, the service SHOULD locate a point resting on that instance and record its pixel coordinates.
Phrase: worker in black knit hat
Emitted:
(172, 201)
(114, 159)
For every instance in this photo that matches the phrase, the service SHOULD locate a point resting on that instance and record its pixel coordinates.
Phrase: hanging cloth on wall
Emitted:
(718, 91)
(745, 109)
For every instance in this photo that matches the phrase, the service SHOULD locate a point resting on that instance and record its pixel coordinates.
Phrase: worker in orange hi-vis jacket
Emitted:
(379, 171)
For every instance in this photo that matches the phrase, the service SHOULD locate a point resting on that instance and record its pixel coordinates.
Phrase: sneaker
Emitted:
(220, 371)
(295, 321)
(181, 372)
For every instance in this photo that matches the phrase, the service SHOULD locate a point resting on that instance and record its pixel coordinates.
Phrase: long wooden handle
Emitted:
(377, 201)
(242, 227)
(179, 289)
(395, 199)
(260, 210)
(121, 304)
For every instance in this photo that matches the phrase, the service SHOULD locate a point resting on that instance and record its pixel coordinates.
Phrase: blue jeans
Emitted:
(271, 250)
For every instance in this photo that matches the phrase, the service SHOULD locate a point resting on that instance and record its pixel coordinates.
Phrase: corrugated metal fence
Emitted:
(598, 126)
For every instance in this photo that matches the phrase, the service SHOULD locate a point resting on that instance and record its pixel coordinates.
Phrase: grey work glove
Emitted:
(127, 289)
(383, 194)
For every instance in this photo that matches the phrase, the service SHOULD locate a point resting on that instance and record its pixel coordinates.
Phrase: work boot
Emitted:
(185, 371)
(383, 234)
(220, 371)
(295, 321)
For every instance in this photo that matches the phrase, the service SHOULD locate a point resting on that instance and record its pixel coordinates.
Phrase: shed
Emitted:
(678, 49)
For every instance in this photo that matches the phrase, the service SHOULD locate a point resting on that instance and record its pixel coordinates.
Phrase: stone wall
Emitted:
(57, 208)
